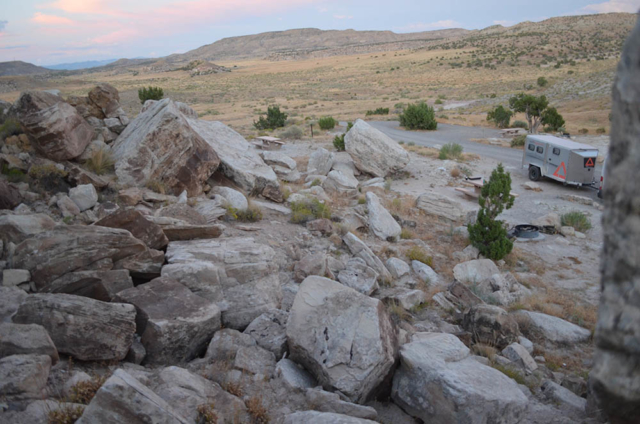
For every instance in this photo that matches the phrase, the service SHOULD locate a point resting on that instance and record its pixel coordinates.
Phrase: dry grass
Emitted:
(207, 414)
(485, 350)
(65, 414)
(398, 312)
(233, 388)
(84, 391)
(532, 263)
(562, 305)
(455, 172)
(156, 186)
(257, 410)
(417, 253)
(101, 162)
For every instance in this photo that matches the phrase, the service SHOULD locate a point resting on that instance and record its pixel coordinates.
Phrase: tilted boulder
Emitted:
(553, 329)
(439, 382)
(383, 225)
(99, 285)
(175, 325)
(475, 271)
(344, 338)
(57, 129)
(69, 248)
(141, 228)
(161, 145)
(87, 329)
(238, 274)
(107, 99)
(615, 378)
(374, 152)
(16, 228)
(361, 250)
(320, 162)
(443, 207)
(123, 399)
(491, 325)
(269, 331)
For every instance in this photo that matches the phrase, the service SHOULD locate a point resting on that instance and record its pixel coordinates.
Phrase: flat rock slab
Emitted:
(16, 228)
(24, 376)
(344, 338)
(27, 339)
(134, 222)
(87, 329)
(192, 232)
(315, 417)
(554, 329)
(175, 325)
(99, 285)
(123, 399)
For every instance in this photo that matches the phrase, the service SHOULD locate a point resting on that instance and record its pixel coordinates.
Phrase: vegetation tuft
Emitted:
(307, 210)
(151, 93)
(327, 123)
(450, 151)
(419, 116)
(578, 220)
(100, 162)
(275, 119)
(338, 141)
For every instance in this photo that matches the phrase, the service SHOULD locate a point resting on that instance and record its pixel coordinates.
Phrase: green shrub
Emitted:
(378, 111)
(338, 141)
(14, 175)
(9, 128)
(450, 151)
(293, 133)
(417, 253)
(583, 131)
(406, 234)
(307, 210)
(439, 102)
(327, 123)
(49, 178)
(251, 214)
(156, 186)
(520, 124)
(151, 93)
(275, 119)
(518, 141)
(500, 116)
(542, 82)
(419, 116)
(552, 120)
(601, 130)
(577, 220)
(488, 234)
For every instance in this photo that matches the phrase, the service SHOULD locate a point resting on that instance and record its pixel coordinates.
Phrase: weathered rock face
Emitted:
(552, 329)
(10, 196)
(142, 229)
(10, 300)
(85, 328)
(615, 378)
(161, 145)
(32, 339)
(439, 382)
(341, 181)
(16, 228)
(374, 152)
(475, 271)
(123, 399)
(51, 254)
(269, 331)
(320, 162)
(175, 325)
(359, 276)
(491, 325)
(24, 376)
(315, 417)
(84, 196)
(344, 338)
(238, 274)
(361, 250)
(441, 206)
(99, 285)
(380, 220)
(239, 161)
(57, 129)
(107, 99)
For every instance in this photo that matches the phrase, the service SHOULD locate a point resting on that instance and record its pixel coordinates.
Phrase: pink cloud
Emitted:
(614, 6)
(116, 37)
(41, 18)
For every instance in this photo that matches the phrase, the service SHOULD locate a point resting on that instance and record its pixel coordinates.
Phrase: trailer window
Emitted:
(532, 147)
(556, 151)
(539, 149)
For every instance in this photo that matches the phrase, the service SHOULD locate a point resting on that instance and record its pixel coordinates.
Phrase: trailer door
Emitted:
(582, 165)
(554, 160)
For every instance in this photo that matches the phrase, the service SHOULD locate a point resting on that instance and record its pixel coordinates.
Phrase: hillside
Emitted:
(18, 67)
(80, 65)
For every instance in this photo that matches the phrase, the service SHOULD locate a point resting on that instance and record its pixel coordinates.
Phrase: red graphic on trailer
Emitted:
(562, 176)
(589, 163)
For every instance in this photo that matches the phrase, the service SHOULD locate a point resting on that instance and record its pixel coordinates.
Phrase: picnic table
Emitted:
(267, 143)
(477, 184)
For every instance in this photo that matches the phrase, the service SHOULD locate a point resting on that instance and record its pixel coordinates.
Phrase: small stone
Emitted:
(516, 353)
(85, 196)
(567, 231)
(15, 277)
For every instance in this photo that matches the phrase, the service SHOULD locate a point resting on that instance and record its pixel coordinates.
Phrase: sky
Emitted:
(47, 32)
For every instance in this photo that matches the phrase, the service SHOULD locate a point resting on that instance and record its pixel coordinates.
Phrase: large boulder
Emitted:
(320, 162)
(16, 228)
(383, 225)
(161, 145)
(269, 331)
(31, 339)
(68, 248)
(87, 329)
(56, 128)
(344, 338)
(374, 152)
(123, 399)
(238, 274)
(442, 206)
(24, 376)
(359, 249)
(439, 382)
(99, 285)
(550, 328)
(491, 325)
(107, 99)
(615, 378)
(175, 325)
(239, 161)
(475, 271)
(359, 276)
(140, 227)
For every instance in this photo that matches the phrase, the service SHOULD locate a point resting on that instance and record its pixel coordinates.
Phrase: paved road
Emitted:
(454, 134)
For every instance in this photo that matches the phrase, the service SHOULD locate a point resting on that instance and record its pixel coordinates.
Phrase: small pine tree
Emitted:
(151, 93)
(275, 119)
(488, 235)
(552, 120)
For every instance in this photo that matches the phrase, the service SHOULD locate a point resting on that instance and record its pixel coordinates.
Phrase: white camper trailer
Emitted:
(559, 159)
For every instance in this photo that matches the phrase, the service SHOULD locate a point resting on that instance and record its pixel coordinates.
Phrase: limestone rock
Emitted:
(425, 272)
(475, 271)
(517, 354)
(85, 196)
(442, 206)
(234, 198)
(551, 219)
(491, 325)
(320, 162)
(31, 339)
(24, 376)
(341, 182)
(15, 277)
(312, 264)
(68, 208)
(344, 338)
(565, 397)
(374, 152)
(439, 382)
(161, 145)
(360, 249)
(383, 225)
(142, 229)
(175, 325)
(397, 267)
(214, 208)
(553, 329)
(278, 159)
(294, 376)
(255, 360)
(51, 254)
(10, 300)
(322, 225)
(107, 99)
(359, 276)
(225, 344)
(238, 274)
(334, 403)
(315, 417)
(192, 232)
(88, 329)
(269, 331)
(124, 399)
(57, 129)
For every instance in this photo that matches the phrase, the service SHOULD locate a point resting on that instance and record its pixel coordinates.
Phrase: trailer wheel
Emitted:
(534, 173)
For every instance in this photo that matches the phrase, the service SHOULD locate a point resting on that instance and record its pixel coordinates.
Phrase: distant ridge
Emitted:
(17, 67)
(80, 65)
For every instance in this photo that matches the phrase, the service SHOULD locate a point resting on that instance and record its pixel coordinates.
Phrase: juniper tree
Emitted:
(151, 93)
(488, 234)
